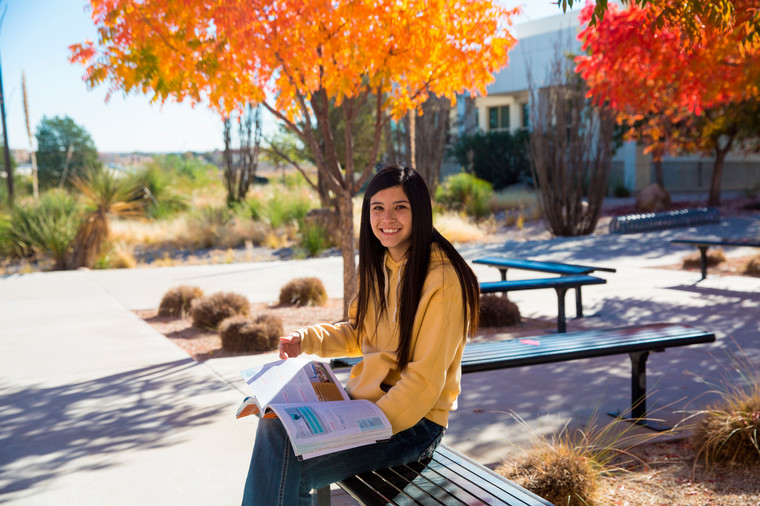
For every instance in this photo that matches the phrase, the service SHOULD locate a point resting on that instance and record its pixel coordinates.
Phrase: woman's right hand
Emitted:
(290, 346)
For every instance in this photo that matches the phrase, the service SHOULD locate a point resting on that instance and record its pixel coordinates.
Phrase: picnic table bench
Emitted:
(561, 268)
(637, 341)
(447, 478)
(560, 285)
(703, 243)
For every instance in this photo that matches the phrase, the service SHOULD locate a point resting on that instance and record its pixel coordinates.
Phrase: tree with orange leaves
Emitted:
(299, 57)
(675, 88)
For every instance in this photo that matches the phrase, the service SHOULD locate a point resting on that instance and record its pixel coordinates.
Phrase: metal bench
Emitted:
(703, 243)
(447, 478)
(561, 268)
(647, 222)
(637, 341)
(561, 285)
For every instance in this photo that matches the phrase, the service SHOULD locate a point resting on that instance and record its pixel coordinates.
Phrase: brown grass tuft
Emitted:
(208, 312)
(177, 301)
(714, 257)
(244, 334)
(753, 266)
(498, 311)
(729, 431)
(303, 292)
(557, 473)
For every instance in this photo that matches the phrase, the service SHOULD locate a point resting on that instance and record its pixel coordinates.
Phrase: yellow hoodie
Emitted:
(430, 384)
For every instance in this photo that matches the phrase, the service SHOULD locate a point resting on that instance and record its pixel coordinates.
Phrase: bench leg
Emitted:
(638, 412)
(703, 260)
(561, 319)
(578, 303)
(321, 496)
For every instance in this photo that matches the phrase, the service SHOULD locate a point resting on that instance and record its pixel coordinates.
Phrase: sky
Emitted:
(34, 39)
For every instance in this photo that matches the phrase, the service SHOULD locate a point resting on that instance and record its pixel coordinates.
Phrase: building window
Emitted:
(498, 119)
(525, 115)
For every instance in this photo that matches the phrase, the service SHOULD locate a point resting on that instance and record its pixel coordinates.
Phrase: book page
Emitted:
(320, 428)
(293, 380)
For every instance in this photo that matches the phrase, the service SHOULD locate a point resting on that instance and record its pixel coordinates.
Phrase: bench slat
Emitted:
(507, 353)
(540, 265)
(449, 478)
(540, 283)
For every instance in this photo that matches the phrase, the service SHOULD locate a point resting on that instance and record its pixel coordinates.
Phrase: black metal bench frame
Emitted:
(561, 285)
(703, 243)
(561, 268)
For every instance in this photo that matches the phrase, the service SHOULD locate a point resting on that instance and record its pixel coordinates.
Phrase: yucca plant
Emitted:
(106, 196)
(46, 227)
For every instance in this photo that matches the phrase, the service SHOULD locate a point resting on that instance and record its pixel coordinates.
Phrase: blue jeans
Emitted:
(276, 476)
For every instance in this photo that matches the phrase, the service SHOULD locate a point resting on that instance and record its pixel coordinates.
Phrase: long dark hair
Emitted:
(372, 259)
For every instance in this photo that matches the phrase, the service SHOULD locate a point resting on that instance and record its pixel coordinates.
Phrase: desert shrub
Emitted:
(245, 334)
(558, 473)
(714, 257)
(314, 239)
(498, 311)
(303, 292)
(465, 192)
(729, 431)
(178, 300)
(208, 312)
(753, 266)
(48, 226)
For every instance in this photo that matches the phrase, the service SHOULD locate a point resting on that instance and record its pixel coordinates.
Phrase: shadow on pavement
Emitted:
(51, 430)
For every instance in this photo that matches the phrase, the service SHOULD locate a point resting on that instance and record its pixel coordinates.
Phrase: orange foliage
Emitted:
(232, 52)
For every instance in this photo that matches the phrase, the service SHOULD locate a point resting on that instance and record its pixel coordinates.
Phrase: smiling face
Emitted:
(390, 215)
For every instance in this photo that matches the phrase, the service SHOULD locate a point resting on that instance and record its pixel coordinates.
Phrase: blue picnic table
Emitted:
(703, 243)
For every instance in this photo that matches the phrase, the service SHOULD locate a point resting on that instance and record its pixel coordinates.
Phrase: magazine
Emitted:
(313, 406)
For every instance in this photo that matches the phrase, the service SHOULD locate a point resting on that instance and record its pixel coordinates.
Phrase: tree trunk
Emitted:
(347, 248)
(659, 176)
(717, 173)
(6, 148)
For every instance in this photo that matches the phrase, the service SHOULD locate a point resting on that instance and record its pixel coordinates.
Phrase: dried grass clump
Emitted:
(753, 266)
(208, 312)
(177, 301)
(303, 292)
(498, 311)
(714, 257)
(729, 431)
(247, 335)
(558, 473)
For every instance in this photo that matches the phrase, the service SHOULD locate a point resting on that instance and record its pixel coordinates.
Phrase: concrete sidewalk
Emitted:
(99, 408)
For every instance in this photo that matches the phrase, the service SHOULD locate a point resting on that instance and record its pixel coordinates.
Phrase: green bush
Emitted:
(314, 239)
(498, 311)
(291, 207)
(501, 158)
(465, 192)
(208, 312)
(242, 334)
(156, 189)
(177, 301)
(303, 292)
(47, 227)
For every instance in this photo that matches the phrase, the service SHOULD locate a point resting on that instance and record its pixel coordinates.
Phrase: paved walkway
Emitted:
(98, 408)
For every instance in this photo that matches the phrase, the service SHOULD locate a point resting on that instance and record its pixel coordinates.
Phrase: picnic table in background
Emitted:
(561, 268)
(703, 243)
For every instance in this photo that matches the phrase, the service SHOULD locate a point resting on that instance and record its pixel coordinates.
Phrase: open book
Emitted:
(313, 406)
